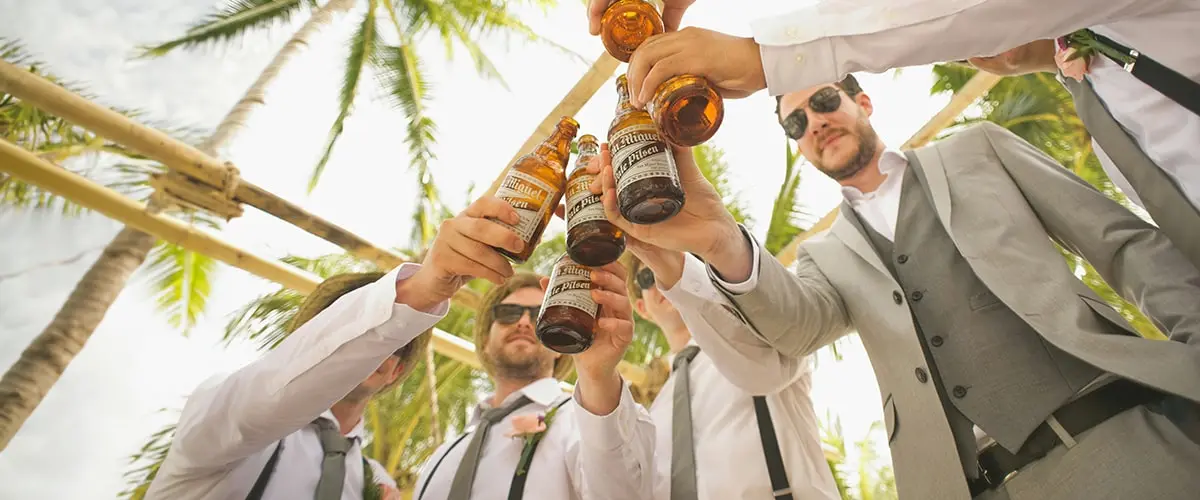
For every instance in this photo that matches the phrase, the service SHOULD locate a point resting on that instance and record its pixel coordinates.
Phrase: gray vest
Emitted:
(990, 367)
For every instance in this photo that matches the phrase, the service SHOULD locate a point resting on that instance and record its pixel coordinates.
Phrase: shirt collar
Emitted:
(543, 392)
(890, 162)
(356, 433)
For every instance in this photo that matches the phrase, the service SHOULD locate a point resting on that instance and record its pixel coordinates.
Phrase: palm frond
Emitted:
(181, 281)
(786, 211)
(146, 461)
(363, 46)
(711, 162)
(233, 20)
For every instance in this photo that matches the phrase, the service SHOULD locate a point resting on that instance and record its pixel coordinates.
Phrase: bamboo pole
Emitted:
(972, 90)
(26, 166)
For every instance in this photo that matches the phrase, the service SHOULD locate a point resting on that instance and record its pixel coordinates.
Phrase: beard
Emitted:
(868, 145)
(521, 365)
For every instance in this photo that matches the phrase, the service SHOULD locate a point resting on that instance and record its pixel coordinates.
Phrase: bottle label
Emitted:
(638, 152)
(530, 197)
(582, 205)
(571, 285)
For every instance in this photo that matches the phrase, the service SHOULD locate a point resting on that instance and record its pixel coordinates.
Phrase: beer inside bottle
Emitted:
(534, 186)
(591, 239)
(648, 187)
(687, 110)
(626, 24)
(567, 320)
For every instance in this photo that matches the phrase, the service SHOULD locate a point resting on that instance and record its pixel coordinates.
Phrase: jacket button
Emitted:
(936, 341)
(960, 391)
(917, 295)
(922, 377)
(902, 258)
(897, 297)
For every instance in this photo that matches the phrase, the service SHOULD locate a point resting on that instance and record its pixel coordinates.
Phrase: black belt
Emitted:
(996, 463)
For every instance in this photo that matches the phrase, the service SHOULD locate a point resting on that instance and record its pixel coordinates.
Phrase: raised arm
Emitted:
(317, 365)
(1134, 257)
(823, 43)
(611, 457)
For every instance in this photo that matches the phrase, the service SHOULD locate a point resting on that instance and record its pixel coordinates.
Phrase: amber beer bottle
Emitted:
(567, 320)
(534, 186)
(648, 188)
(591, 239)
(686, 108)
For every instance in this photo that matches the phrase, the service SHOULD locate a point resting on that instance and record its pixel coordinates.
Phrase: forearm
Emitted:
(613, 454)
(813, 47)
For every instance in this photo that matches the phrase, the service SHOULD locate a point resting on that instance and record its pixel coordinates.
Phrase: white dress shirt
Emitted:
(230, 426)
(582, 456)
(729, 455)
(823, 43)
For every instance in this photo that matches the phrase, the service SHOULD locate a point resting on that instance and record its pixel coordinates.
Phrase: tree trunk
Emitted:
(39, 367)
(256, 95)
(435, 427)
(43, 362)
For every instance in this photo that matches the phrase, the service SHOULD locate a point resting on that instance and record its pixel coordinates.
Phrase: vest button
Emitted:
(902, 258)
(936, 341)
(897, 297)
(960, 391)
(922, 377)
(917, 295)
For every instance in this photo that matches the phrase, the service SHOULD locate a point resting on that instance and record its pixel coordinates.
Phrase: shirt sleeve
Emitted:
(226, 420)
(745, 286)
(823, 43)
(612, 456)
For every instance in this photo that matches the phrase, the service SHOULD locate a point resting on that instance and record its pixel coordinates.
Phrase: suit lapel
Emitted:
(928, 163)
(849, 229)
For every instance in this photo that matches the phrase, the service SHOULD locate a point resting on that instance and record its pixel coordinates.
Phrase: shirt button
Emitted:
(936, 341)
(902, 258)
(799, 59)
(917, 295)
(960, 391)
(897, 297)
(922, 377)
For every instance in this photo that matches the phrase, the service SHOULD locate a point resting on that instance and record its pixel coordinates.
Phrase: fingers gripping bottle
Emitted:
(534, 186)
(591, 239)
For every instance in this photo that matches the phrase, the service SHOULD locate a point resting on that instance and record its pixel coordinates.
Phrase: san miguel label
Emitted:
(639, 153)
(582, 205)
(571, 285)
(529, 196)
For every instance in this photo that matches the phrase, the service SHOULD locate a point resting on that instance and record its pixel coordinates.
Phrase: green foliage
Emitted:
(872, 478)
(230, 23)
(786, 210)
(711, 162)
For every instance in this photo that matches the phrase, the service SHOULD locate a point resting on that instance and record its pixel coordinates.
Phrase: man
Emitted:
(1146, 140)
(717, 440)
(991, 356)
(288, 425)
(596, 445)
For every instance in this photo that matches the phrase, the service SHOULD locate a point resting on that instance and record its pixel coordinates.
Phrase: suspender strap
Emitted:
(516, 489)
(770, 444)
(439, 463)
(1167, 81)
(264, 477)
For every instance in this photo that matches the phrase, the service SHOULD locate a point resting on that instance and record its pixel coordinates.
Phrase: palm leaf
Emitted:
(711, 162)
(233, 20)
(363, 46)
(786, 211)
(181, 281)
(146, 462)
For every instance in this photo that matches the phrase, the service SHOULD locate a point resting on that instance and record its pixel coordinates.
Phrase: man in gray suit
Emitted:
(992, 358)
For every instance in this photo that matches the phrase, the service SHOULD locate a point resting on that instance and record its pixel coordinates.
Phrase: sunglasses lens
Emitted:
(507, 314)
(645, 278)
(827, 100)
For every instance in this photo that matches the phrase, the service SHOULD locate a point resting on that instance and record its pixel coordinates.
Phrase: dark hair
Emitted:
(484, 319)
(849, 85)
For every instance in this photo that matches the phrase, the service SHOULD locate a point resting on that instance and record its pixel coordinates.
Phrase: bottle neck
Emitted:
(556, 148)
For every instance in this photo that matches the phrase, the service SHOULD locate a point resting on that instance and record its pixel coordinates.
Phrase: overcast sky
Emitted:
(108, 400)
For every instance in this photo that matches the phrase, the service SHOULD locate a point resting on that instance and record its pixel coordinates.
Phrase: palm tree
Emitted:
(179, 278)
(1040, 110)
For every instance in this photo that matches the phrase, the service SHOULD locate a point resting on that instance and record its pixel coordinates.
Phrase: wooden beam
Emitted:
(972, 90)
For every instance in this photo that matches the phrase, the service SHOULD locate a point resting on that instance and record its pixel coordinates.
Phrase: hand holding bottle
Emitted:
(737, 72)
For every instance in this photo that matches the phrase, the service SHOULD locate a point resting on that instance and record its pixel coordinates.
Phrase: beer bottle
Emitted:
(648, 188)
(534, 185)
(686, 109)
(567, 320)
(591, 239)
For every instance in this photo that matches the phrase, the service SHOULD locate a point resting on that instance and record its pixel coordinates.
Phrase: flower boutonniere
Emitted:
(1074, 53)
(531, 428)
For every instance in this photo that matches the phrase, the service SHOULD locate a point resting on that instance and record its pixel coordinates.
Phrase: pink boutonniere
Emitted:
(531, 428)
(1071, 63)
(1073, 53)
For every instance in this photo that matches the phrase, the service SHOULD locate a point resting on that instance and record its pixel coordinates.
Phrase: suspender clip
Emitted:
(1129, 65)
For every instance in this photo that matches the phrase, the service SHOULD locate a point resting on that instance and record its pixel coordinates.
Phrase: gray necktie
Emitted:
(464, 477)
(1163, 199)
(683, 451)
(333, 466)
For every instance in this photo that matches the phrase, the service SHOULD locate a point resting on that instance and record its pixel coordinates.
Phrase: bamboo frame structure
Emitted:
(972, 90)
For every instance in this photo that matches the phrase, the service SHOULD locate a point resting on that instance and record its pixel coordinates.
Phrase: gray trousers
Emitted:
(1140, 454)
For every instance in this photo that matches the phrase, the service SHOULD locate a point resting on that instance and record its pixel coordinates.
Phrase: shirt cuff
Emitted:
(403, 314)
(751, 282)
(694, 283)
(608, 432)
(791, 68)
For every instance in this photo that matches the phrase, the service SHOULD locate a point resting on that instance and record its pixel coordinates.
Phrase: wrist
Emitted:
(599, 393)
(731, 255)
(418, 292)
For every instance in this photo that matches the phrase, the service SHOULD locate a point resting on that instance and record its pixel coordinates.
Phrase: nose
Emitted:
(816, 123)
(526, 319)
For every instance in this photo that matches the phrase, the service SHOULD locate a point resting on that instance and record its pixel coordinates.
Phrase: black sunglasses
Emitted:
(507, 314)
(826, 100)
(644, 278)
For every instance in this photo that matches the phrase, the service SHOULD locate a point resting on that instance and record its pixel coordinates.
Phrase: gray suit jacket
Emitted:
(1002, 202)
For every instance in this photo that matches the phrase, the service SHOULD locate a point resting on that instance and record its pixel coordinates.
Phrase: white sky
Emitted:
(107, 402)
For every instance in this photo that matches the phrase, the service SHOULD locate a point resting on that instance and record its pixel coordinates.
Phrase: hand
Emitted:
(1032, 57)
(389, 492)
(732, 64)
(463, 251)
(667, 265)
(672, 13)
